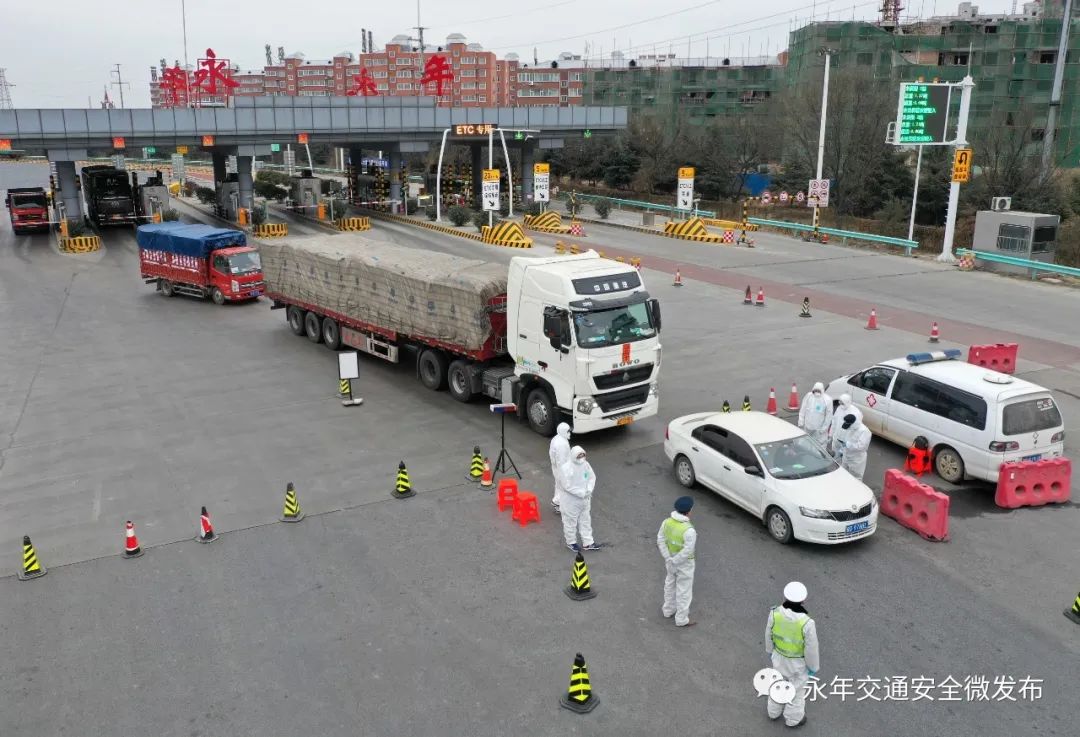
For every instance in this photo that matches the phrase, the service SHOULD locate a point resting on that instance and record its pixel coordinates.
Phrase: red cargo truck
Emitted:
(199, 260)
(29, 209)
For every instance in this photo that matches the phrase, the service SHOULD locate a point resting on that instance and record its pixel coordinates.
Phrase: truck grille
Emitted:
(612, 401)
(849, 516)
(624, 376)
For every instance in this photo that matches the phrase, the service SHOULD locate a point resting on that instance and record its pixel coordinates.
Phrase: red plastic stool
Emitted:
(508, 492)
(526, 509)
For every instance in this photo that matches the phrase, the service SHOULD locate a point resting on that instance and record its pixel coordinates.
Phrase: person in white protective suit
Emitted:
(677, 540)
(559, 454)
(814, 414)
(578, 482)
(843, 409)
(791, 644)
(855, 441)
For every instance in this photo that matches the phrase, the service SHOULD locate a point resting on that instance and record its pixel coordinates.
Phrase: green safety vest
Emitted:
(674, 530)
(787, 635)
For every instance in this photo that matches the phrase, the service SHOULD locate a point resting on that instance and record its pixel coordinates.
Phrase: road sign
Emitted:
(181, 150)
(178, 168)
(5, 144)
(587, 133)
(541, 182)
(230, 165)
(961, 167)
(151, 149)
(819, 192)
(685, 194)
(117, 142)
(799, 196)
(470, 129)
(118, 162)
(490, 194)
(766, 198)
(922, 113)
(519, 135)
(301, 137)
(784, 197)
(207, 140)
(275, 147)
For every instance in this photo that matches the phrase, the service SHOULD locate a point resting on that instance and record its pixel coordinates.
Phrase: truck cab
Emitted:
(584, 336)
(28, 207)
(199, 261)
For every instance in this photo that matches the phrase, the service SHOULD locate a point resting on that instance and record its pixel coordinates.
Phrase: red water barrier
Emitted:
(915, 506)
(999, 356)
(1034, 483)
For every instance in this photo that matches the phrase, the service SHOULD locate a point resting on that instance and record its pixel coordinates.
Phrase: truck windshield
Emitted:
(244, 263)
(28, 200)
(612, 327)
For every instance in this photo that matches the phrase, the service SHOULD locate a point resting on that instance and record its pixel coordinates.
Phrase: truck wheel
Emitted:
(432, 367)
(295, 316)
(167, 288)
(458, 377)
(331, 334)
(541, 411)
(218, 296)
(312, 328)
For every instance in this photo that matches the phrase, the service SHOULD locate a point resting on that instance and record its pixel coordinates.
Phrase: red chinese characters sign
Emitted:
(173, 82)
(212, 72)
(437, 70)
(365, 85)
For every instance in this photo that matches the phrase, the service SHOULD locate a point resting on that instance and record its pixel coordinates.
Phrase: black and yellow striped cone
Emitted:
(580, 588)
(402, 486)
(476, 465)
(725, 407)
(31, 568)
(344, 388)
(579, 697)
(1074, 613)
(805, 308)
(292, 512)
(746, 403)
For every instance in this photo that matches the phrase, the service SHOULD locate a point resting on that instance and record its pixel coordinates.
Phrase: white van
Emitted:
(974, 418)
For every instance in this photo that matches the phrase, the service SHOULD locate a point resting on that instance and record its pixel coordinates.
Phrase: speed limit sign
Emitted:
(799, 196)
(766, 198)
(783, 196)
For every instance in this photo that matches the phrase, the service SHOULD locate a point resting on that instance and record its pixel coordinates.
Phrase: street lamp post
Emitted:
(827, 53)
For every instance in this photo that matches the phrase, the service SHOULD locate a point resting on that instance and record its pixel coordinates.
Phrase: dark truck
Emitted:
(29, 209)
(108, 196)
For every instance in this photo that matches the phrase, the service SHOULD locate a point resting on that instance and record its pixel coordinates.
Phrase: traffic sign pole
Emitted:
(966, 86)
(915, 195)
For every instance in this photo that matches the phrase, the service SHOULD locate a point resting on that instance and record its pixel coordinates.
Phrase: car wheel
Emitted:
(167, 288)
(432, 367)
(312, 327)
(295, 316)
(949, 465)
(331, 334)
(218, 296)
(540, 409)
(458, 379)
(779, 525)
(684, 471)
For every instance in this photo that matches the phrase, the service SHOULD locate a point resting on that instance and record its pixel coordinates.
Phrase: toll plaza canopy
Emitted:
(261, 120)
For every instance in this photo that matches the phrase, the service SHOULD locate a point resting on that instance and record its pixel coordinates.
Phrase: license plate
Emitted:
(255, 293)
(858, 526)
(1036, 457)
(624, 421)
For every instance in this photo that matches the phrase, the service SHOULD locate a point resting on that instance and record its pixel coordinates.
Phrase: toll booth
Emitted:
(305, 191)
(1028, 235)
(152, 197)
(228, 197)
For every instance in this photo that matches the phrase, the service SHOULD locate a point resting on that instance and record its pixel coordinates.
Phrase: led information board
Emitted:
(923, 113)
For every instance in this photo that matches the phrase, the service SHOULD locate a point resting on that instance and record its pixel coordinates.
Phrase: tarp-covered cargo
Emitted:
(417, 293)
(185, 239)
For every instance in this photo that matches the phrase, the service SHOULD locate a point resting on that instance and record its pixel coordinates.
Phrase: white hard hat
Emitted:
(795, 592)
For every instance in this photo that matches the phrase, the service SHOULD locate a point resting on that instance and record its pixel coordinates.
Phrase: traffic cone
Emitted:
(1073, 614)
(678, 279)
(725, 407)
(805, 308)
(206, 530)
(579, 588)
(485, 475)
(131, 543)
(31, 568)
(748, 298)
(402, 486)
(476, 465)
(579, 696)
(746, 403)
(292, 511)
(760, 297)
(770, 406)
(793, 400)
(871, 324)
(934, 333)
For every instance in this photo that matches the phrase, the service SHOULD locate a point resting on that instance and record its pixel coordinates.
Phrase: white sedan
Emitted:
(775, 471)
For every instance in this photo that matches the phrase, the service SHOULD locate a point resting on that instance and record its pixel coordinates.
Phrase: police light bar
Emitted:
(503, 409)
(950, 354)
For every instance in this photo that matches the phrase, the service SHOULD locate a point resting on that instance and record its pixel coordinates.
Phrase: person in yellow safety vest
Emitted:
(792, 646)
(677, 540)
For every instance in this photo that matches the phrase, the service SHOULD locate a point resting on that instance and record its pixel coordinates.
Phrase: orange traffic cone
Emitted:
(748, 298)
(760, 297)
(770, 407)
(793, 399)
(206, 530)
(485, 477)
(934, 333)
(871, 324)
(131, 543)
(678, 279)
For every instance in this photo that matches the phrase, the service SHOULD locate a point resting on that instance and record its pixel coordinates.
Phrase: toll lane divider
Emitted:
(271, 230)
(546, 222)
(1034, 483)
(80, 243)
(836, 232)
(690, 230)
(915, 505)
(507, 233)
(422, 224)
(729, 224)
(354, 224)
(999, 356)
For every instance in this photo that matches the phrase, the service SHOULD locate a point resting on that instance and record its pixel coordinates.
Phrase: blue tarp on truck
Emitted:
(186, 239)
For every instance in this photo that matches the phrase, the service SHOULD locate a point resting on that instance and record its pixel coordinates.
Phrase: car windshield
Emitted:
(795, 458)
(1030, 415)
(244, 263)
(612, 327)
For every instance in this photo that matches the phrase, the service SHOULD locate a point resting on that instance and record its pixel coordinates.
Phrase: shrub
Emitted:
(432, 212)
(459, 215)
(480, 219)
(258, 214)
(189, 188)
(206, 195)
(270, 190)
(330, 186)
(169, 215)
(534, 208)
(603, 208)
(273, 177)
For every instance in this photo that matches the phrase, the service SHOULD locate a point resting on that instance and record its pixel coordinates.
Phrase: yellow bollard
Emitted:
(157, 217)
(321, 212)
(64, 227)
(241, 216)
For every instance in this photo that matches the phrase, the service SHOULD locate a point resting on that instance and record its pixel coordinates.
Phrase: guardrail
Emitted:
(1022, 262)
(639, 204)
(837, 233)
